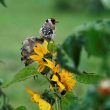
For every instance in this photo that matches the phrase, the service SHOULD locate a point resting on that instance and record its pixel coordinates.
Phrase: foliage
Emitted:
(95, 39)
(106, 4)
(94, 100)
(75, 51)
(70, 99)
(25, 73)
(21, 108)
(88, 78)
(77, 5)
(3, 2)
(3, 100)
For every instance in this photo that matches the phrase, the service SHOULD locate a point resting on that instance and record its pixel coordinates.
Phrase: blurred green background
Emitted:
(23, 18)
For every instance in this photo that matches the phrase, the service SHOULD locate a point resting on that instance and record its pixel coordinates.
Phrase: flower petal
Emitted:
(55, 78)
(30, 91)
(67, 79)
(45, 49)
(45, 43)
(41, 68)
(36, 58)
(38, 51)
(35, 96)
(56, 69)
(61, 86)
(43, 105)
(49, 63)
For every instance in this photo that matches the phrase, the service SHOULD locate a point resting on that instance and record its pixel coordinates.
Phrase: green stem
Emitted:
(58, 99)
(57, 104)
(60, 106)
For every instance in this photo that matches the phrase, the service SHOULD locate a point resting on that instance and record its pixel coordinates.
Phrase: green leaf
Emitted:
(107, 103)
(49, 96)
(97, 43)
(65, 61)
(3, 3)
(21, 108)
(52, 47)
(97, 38)
(88, 78)
(69, 101)
(68, 55)
(72, 46)
(24, 74)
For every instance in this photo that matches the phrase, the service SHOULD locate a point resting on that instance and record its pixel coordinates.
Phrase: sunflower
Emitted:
(64, 79)
(40, 52)
(43, 105)
(67, 79)
(55, 79)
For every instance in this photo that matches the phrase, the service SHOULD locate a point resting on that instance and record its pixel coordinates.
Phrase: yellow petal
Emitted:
(38, 51)
(36, 58)
(45, 50)
(55, 78)
(30, 91)
(67, 79)
(41, 68)
(41, 49)
(49, 63)
(39, 45)
(45, 43)
(43, 105)
(61, 86)
(35, 96)
(56, 69)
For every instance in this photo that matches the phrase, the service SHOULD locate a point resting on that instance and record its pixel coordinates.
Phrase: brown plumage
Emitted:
(47, 31)
(27, 49)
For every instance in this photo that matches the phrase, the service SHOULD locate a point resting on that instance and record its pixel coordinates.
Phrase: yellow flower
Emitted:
(43, 105)
(56, 69)
(55, 78)
(41, 50)
(67, 79)
(49, 64)
(64, 79)
(45, 63)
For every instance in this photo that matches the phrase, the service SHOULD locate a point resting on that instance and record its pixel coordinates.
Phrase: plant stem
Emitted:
(60, 106)
(58, 99)
(57, 103)
(57, 95)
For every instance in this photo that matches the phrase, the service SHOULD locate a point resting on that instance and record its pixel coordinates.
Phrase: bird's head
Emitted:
(51, 21)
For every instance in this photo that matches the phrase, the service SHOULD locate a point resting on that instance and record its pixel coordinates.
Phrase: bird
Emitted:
(47, 30)
(27, 49)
